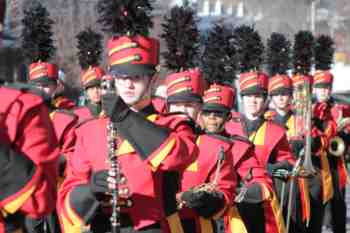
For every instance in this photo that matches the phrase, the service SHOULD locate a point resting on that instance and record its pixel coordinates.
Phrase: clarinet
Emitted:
(115, 169)
(108, 87)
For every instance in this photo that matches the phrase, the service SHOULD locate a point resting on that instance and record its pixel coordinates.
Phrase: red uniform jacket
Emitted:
(62, 102)
(144, 177)
(64, 123)
(339, 112)
(270, 141)
(270, 146)
(28, 129)
(159, 104)
(83, 113)
(203, 170)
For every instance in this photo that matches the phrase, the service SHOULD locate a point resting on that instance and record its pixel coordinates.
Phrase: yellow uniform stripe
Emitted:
(162, 154)
(72, 216)
(206, 225)
(236, 223)
(14, 205)
(327, 186)
(174, 223)
(258, 138)
(276, 210)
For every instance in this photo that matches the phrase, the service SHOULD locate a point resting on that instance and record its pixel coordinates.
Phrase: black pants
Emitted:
(338, 206)
(49, 224)
(253, 217)
(101, 224)
(317, 214)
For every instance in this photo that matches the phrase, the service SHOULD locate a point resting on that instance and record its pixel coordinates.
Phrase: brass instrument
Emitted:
(303, 106)
(303, 167)
(337, 146)
(211, 186)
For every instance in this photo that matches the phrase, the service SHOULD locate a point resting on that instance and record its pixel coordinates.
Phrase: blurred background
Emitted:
(71, 16)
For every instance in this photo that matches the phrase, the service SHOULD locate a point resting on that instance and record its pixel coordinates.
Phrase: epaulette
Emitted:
(220, 137)
(185, 117)
(236, 119)
(67, 112)
(241, 138)
(269, 115)
(83, 122)
(27, 88)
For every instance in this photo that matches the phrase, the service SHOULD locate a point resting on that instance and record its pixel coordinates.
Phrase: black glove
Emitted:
(99, 184)
(114, 106)
(253, 194)
(205, 204)
(271, 168)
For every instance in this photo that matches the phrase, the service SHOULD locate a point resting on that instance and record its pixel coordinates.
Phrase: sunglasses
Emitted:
(215, 113)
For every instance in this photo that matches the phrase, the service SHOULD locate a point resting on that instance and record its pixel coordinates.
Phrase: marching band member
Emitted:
(151, 149)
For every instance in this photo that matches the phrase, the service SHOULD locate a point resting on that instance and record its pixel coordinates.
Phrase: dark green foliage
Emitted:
(303, 52)
(219, 56)
(89, 48)
(324, 52)
(125, 17)
(250, 48)
(37, 42)
(278, 54)
(181, 35)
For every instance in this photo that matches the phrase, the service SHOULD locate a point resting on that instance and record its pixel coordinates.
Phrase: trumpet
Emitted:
(337, 145)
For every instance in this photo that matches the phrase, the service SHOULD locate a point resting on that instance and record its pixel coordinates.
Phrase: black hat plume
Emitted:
(125, 17)
(324, 52)
(181, 35)
(37, 42)
(250, 48)
(89, 48)
(303, 52)
(219, 56)
(278, 54)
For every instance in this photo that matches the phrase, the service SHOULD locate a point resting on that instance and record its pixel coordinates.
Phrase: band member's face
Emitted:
(189, 108)
(281, 101)
(322, 94)
(213, 122)
(94, 94)
(48, 89)
(253, 104)
(133, 89)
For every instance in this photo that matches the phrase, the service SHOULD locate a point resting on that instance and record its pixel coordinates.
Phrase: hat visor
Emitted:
(322, 85)
(253, 91)
(132, 70)
(184, 97)
(92, 83)
(214, 107)
(281, 91)
(45, 81)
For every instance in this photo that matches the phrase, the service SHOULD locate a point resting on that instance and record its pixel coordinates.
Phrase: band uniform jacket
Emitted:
(270, 146)
(27, 129)
(340, 112)
(249, 172)
(296, 143)
(203, 170)
(145, 178)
